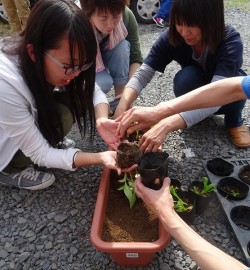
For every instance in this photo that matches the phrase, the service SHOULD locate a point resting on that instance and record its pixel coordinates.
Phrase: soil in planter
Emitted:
(124, 224)
(128, 153)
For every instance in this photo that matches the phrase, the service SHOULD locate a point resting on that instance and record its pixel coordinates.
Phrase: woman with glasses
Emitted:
(57, 49)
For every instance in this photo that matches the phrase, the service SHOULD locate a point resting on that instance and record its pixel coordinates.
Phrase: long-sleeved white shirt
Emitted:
(18, 122)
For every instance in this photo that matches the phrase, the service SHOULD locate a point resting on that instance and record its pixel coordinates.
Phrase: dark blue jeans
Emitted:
(190, 78)
(165, 9)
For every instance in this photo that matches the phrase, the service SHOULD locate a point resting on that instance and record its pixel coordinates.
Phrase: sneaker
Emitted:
(66, 143)
(159, 21)
(29, 178)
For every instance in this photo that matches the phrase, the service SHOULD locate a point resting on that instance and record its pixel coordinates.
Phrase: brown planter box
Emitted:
(132, 254)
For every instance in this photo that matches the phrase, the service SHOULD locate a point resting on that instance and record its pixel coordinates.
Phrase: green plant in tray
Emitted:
(179, 204)
(234, 193)
(206, 189)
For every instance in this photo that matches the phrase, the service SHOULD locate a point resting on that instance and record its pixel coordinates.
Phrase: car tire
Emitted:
(144, 10)
(3, 14)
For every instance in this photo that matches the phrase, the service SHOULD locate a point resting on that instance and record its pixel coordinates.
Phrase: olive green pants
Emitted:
(20, 161)
(17, 12)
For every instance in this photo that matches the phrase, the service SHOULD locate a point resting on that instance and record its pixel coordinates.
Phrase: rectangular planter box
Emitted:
(132, 254)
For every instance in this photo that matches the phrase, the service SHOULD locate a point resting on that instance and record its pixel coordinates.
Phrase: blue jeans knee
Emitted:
(116, 62)
(188, 79)
(104, 81)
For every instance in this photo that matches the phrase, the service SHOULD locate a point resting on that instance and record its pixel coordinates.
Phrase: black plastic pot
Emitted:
(225, 185)
(175, 183)
(201, 201)
(187, 216)
(153, 168)
(244, 174)
(240, 215)
(219, 166)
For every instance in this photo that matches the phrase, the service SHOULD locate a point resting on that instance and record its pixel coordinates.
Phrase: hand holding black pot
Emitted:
(153, 168)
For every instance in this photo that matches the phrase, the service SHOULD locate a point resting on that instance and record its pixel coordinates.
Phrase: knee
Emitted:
(104, 81)
(187, 79)
(122, 51)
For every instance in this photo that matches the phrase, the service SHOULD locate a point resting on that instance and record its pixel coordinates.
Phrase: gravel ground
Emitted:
(50, 229)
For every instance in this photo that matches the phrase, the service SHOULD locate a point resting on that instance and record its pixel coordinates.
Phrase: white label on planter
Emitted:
(132, 255)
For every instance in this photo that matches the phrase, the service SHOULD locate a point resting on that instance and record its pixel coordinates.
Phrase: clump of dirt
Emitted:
(128, 154)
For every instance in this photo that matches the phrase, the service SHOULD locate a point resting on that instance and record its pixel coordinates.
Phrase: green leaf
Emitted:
(133, 200)
(121, 188)
(122, 180)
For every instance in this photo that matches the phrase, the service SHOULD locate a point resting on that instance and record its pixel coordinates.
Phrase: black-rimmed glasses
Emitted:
(69, 70)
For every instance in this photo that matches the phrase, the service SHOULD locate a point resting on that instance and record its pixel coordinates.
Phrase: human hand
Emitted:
(136, 118)
(107, 128)
(108, 159)
(158, 200)
(152, 140)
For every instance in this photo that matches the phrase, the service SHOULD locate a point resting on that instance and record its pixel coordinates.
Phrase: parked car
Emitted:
(144, 10)
(3, 15)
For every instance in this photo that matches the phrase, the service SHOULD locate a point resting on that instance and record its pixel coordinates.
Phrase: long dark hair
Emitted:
(48, 23)
(208, 15)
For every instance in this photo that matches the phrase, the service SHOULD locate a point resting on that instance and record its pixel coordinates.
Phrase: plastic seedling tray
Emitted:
(237, 211)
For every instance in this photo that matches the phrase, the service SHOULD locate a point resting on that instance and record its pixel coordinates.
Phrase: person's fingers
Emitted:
(166, 182)
(113, 146)
(119, 171)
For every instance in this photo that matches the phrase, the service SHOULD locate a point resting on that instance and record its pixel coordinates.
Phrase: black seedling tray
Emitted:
(242, 230)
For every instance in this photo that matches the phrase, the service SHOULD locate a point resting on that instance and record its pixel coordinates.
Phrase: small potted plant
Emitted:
(232, 188)
(184, 204)
(203, 192)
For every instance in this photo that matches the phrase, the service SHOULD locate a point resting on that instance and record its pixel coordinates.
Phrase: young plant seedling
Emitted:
(234, 193)
(207, 188)
(128, 187)
(179, 204)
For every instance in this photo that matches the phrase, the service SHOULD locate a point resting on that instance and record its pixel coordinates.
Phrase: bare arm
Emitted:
(214, 94)
(207, 256)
